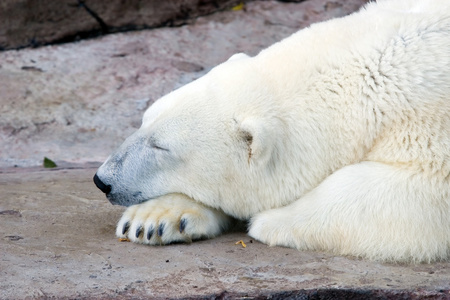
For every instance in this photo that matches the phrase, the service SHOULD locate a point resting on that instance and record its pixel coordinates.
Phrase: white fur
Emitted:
(158, 222)
(336, 138)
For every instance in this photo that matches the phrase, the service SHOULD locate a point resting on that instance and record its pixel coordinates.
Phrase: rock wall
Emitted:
(26, 23)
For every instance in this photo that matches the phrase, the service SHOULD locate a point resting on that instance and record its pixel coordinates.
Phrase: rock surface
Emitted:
(27, 23)
(57, 240)
(76, 102)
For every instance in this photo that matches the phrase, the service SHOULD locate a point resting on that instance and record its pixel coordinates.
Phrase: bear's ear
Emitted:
(238, 56)
(257, 138)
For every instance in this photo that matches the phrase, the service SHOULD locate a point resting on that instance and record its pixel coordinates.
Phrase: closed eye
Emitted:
(159, 148)
(156, 145)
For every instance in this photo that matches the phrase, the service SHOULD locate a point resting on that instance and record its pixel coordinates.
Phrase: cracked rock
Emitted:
(32, 23)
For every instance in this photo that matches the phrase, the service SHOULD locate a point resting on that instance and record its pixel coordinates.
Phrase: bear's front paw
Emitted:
(274, 228)
(169, 219)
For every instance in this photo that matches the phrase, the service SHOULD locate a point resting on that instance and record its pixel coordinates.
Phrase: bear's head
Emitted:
(215, 140)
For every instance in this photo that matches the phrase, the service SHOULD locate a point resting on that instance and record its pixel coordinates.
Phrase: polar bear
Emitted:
(335, 139)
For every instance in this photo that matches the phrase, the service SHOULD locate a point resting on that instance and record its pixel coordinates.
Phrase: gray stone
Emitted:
(57, 240)
(26, 23)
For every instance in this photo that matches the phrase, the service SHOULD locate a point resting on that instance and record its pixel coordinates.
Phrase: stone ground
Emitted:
(57, 240)
(74, 103)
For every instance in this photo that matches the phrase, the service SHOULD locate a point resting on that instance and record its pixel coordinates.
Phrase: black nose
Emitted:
(103, 187)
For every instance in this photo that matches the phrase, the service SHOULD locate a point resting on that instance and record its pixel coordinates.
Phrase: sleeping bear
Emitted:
(335, 139)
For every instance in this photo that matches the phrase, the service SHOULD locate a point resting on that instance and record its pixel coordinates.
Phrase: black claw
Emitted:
(150, 233)
(161, 229)
(139, 231)
(182, 225)
(125, 227)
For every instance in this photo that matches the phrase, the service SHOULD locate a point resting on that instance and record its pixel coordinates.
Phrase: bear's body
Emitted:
(336, 138)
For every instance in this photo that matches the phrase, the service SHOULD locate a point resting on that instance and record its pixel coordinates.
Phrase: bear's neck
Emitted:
(327, 121)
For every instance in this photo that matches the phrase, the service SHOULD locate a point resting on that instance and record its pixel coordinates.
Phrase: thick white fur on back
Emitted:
(336, 138)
